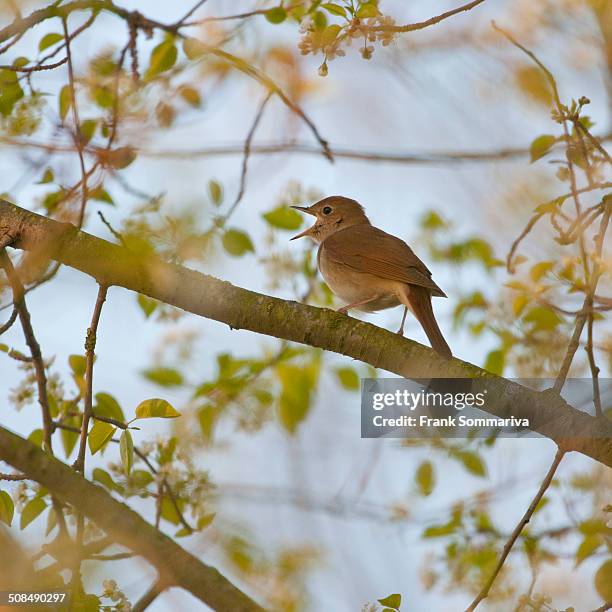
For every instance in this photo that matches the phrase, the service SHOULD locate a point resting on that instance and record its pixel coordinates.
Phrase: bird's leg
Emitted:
(400, 331)
(345, 309)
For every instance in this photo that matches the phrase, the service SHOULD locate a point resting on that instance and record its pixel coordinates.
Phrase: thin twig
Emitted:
(6, 326)
(411, 27)
(518, 529)
(37, 68)
(115, 233)
(13, 477)
(78, 139)
(247, 153)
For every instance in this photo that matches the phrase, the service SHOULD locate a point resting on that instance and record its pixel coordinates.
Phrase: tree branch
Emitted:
(177, 566)
(239, 308)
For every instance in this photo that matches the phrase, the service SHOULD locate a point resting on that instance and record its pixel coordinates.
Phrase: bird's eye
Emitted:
(327, 210)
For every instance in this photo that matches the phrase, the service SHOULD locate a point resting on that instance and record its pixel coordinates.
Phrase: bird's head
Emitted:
(332, 214)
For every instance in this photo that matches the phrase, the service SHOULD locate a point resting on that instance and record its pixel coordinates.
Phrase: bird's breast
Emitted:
(353, 286)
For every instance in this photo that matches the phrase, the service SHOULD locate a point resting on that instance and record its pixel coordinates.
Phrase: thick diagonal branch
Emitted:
(111, 264)
(125, 526)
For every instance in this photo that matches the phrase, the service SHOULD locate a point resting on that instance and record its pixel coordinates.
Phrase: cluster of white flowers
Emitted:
(330, 40)
(114, 593)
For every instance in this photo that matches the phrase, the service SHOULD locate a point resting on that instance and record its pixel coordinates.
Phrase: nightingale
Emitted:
(370, 269)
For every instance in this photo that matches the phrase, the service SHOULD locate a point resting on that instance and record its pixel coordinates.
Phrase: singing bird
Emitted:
(370, 269)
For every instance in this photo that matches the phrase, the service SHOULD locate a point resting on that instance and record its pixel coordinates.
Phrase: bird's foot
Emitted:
(400, 331)
(343, 310)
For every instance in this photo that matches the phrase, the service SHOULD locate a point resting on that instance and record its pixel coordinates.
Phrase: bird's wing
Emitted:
(367, 249)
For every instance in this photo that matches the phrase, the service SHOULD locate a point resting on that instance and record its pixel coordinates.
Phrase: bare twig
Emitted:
(411, 27)
(484, 592)
(78, 139)
(6, 326)
(13, 477)
(245, 159)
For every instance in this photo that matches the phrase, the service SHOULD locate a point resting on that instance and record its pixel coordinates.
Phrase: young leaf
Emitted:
(147, 305)
(163, 57)
(100, 435)
(31, 510)
(215, 191)
(77, 364)
(424, 478)
(283, 218)
(194, 48)
(49, 40)
(541, 146)
(603, 580)
(205, 520)
(126, 449)
(164, 377)
(348, 378)
(7, 508)
(47, 177)
(334, 9)
(495, 362)
(237, 243)
(65, 101)
(156, 408)
(471, 461)
(276, 14)
(108, 406)
(101, 195)
(105, 479)
(190, 95)
(368, 9)
(393, 601)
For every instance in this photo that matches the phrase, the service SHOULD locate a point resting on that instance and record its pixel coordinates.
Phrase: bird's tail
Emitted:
(418, 299)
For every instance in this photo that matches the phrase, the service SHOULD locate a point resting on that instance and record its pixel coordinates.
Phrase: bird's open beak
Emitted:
(305, 209)
(306, 232)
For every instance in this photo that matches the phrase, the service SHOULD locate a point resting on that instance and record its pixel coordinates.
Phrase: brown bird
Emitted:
(370, 269)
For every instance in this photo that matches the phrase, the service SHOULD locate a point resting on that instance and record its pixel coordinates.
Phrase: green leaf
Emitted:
(587, 547)
(495, 362)
(88, 129)
(297, 386)
(543, 318)
(237, 243)
(284, 218)
(126, 449)
(393, 601)
(194, 48)
(31, 510)
(541, 146)
(10, 91)
(540, 269)
(276, 14)
(169, 512)
(100, 435)
(439, 531)
(47, 177)
(37, 437)
(206, 520)
(369, 9)
(77, 364)
(164, 377)
(105, 479)
(49, 40)
(330, 33)
(334, 9)
(163, 57)
(101, 195)
(472, 462)
(147, 305)
(425, 478)
(141, 478)
(215, 191)
(348, 378)
(7, 508)
(65, 101)
(156, 408)
(603, 580)
(108, 406)
(70, 438)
